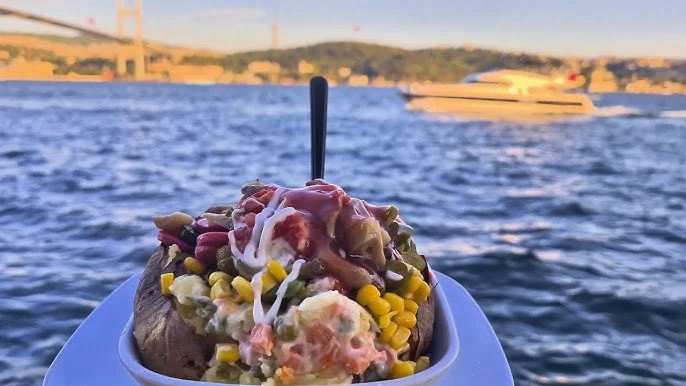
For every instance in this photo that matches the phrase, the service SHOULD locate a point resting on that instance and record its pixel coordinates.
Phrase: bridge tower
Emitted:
(275, 35)
(135, 12)
(275, 27)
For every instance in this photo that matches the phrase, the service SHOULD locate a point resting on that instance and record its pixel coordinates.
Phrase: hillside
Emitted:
(439, 64)
(450, 64)
(85, 55)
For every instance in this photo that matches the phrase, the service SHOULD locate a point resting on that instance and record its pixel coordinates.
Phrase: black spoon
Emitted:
(319, 95)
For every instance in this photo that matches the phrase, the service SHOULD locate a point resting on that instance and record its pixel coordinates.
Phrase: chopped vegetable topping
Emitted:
(302, 285)
(243, 288)
(166, 280)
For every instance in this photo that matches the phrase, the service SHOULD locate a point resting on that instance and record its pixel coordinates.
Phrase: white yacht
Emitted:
(500, 92)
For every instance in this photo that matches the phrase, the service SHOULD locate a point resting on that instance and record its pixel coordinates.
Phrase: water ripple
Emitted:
(571, 235)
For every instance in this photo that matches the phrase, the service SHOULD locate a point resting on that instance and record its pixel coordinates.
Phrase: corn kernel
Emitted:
(422, 364)
(399, 338)
(397, 303)
(385, 320)
(276, 269)
(243, 288)
(405, 319)
(411, 285)
(388, 332)
(379, 306)
(402, 369)
(411, 305)
(422, 292)
(220, 289)
(268, 282)
(227, 353)
(165, 281)
(218, 275)
(193, 265)
(367, 293)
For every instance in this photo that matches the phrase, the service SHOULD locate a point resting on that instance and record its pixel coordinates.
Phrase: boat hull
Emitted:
(500, 104)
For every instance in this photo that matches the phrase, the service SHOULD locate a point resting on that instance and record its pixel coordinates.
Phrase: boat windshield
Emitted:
(477, 79)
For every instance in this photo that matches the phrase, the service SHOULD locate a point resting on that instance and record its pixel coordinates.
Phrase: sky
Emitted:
(586, 28)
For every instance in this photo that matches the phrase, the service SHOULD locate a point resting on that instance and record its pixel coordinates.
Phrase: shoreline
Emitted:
(87, 79)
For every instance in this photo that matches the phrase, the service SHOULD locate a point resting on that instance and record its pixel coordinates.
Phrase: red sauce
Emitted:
(311, 232)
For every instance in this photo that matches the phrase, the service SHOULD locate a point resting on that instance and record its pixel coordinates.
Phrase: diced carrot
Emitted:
(318, 334)
(337, 309)
(329, 354)
(356, 364)
(262, 339)
(285, 374)
(226, 305)
(293, 360)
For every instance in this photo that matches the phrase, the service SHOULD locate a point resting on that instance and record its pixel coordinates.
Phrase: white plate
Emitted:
(90, 356)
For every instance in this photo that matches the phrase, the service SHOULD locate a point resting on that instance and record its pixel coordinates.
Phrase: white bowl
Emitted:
(443, 353)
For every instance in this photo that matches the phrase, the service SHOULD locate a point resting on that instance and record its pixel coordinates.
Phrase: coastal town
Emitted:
(85, 59)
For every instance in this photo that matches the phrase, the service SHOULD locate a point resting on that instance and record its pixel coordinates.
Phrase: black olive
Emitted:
(189, 235)
(270, 296)
(375, 372)
(225, 262)
(244, 270)
(311, 270)
(256, 371)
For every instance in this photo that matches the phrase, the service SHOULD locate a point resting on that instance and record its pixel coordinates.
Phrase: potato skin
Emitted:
(422, 333)
(169, 345)
(166, 343)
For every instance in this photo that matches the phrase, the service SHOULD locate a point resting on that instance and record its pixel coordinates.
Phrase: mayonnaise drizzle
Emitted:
(251, 256)
(256, 283)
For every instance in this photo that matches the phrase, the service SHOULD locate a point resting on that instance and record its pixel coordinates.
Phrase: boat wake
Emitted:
(621, 111)
(677, 114)
(617, 111)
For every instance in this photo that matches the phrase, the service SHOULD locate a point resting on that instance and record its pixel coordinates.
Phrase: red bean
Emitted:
(206, 254)
(213, 239)
(167, 239)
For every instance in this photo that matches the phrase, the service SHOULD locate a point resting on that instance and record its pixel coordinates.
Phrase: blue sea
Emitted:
(571, 235)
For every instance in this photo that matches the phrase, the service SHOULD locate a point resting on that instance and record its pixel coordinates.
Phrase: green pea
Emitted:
(286, 332)
(293, 288)
(306, 292)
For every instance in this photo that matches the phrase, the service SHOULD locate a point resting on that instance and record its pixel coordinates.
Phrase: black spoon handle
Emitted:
(319, 95)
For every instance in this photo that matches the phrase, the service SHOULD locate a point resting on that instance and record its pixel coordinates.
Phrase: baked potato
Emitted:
(290, 286)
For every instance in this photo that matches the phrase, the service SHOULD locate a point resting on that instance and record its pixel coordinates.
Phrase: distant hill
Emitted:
(449, 64)
(373, 60)
(436, 64)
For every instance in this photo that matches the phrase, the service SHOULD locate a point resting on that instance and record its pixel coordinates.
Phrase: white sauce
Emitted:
(258, 309)
(249, 255)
